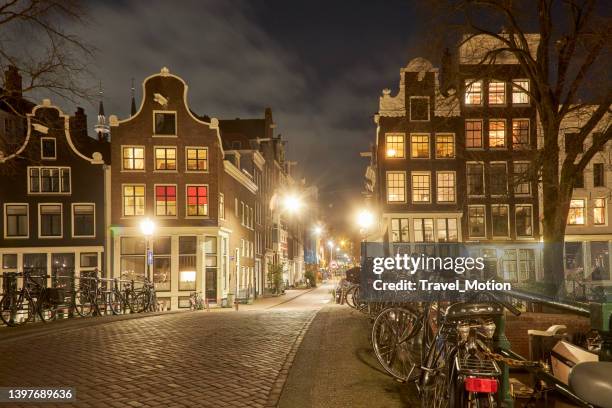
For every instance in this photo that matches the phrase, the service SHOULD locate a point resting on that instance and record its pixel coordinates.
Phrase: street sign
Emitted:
(149, 257)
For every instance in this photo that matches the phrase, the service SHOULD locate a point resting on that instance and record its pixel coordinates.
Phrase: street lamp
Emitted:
(147, 227)
(318, 230)
(292, 203)
(365, 219)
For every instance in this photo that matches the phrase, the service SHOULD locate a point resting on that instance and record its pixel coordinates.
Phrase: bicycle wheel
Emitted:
(117, 303)
(46, 310)
(15, 311)
(84, 302)
(436, 381)
(350, 296)
(397, 342)
(140, 302)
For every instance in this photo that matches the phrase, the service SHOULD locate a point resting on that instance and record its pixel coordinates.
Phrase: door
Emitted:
(211, 284)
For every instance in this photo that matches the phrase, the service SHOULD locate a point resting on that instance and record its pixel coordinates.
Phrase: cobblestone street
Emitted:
(182, 359)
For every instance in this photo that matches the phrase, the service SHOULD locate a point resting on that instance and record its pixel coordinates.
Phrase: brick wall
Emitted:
(517, 327)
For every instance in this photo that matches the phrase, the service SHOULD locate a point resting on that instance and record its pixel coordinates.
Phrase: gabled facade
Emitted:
(53, 209)
(171, 168)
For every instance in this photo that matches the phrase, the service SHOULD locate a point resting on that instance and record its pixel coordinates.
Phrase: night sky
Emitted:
(320, 66)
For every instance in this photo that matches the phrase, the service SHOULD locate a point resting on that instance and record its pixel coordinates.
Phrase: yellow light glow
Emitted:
(391, 152)
(292, 203)
(188, 276)
(365, 219)
(147, 227)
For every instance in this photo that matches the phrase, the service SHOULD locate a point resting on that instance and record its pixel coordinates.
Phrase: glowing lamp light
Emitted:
(292, 203)
(330, 244)
(147, 227)
(318, 230)
(365, 219)
(391, 152)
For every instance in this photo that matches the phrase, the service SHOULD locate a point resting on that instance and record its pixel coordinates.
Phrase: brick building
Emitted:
(53, 210)
(171, 167)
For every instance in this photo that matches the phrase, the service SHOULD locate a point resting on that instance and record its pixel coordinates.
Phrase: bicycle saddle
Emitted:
(592, 382)
(462, 310)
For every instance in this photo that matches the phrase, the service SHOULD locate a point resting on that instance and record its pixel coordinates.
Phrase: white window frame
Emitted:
(454, 173)
(144, 158)
(387, 187)
(72, 205)
(187, 160)
(428, 109)
(507, 221)
(60, 168)
(403, 153)
(420, 173)
(605, 211)
(467, 179)
(6, 236)
(482, 132)
(428, 135)
(491, 178)
(584, 211)
(175, 123)
(191, 217)
(40, 236)
(42, 157)
(516, 208)
(484, 217)
(505, 146)
(468, 83)
(514, 80)
(528, 134)
(497, 81)
(221, 206)
(176, 165)
(452, 135)
(123, 215)
(526, 182)
(155, 200)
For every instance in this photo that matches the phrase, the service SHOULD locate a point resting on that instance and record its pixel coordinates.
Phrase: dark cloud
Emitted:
(319, 65)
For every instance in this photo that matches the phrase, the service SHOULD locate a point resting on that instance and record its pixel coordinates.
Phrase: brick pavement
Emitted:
(200, 359)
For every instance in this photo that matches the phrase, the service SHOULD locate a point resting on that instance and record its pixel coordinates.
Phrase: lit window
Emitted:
(396, 187)
(419, 146)
(165, 200)
(421, 187)
(16, 220)
(476, 221)
(520, 89)
(447, 230)
(50, 220)
(47, 148)
(49, 179)
(521, 177)
(165, 158)
(473, 134)
(133, 158)
(599, 211)
(445, 146)
(419, 108)
(499, 220)
(133, 200)
(83, 220)
(197, 201)
(395, 145)
(165, 123)
(445, 186)
(520, 134)
(187, 263)
(423, 230)
(497, 133)
(473, 92)
(526, 264)
(524, 220)
(497, 93)
(499, 179)
(399, 230)
(509, 265)
(475, 179)
(197, 159)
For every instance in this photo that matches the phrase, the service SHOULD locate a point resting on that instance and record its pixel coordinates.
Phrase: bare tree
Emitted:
(567, 62)
(48, 58)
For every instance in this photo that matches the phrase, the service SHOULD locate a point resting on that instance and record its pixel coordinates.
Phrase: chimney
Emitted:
(78, 122)
(12, 81)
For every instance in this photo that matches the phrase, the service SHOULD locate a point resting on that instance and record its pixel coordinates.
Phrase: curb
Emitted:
(283, 374)
(289, 300)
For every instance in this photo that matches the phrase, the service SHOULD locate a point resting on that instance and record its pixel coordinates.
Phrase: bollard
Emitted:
(207, 305)
(236, 304)
(502, 342)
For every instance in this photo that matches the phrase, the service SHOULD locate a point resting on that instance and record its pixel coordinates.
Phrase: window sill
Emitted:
(164, 136)
(16, 237)
(132, 171)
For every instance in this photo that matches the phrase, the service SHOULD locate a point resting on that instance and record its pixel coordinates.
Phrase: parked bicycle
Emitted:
(196, 302)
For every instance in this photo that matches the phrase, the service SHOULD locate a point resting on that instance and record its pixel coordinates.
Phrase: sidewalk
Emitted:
(266, 302)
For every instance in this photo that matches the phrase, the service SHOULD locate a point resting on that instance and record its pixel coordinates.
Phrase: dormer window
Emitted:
(164, 123)
(48, 148)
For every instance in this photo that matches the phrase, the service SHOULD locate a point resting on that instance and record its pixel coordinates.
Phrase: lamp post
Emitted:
(147, 227)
